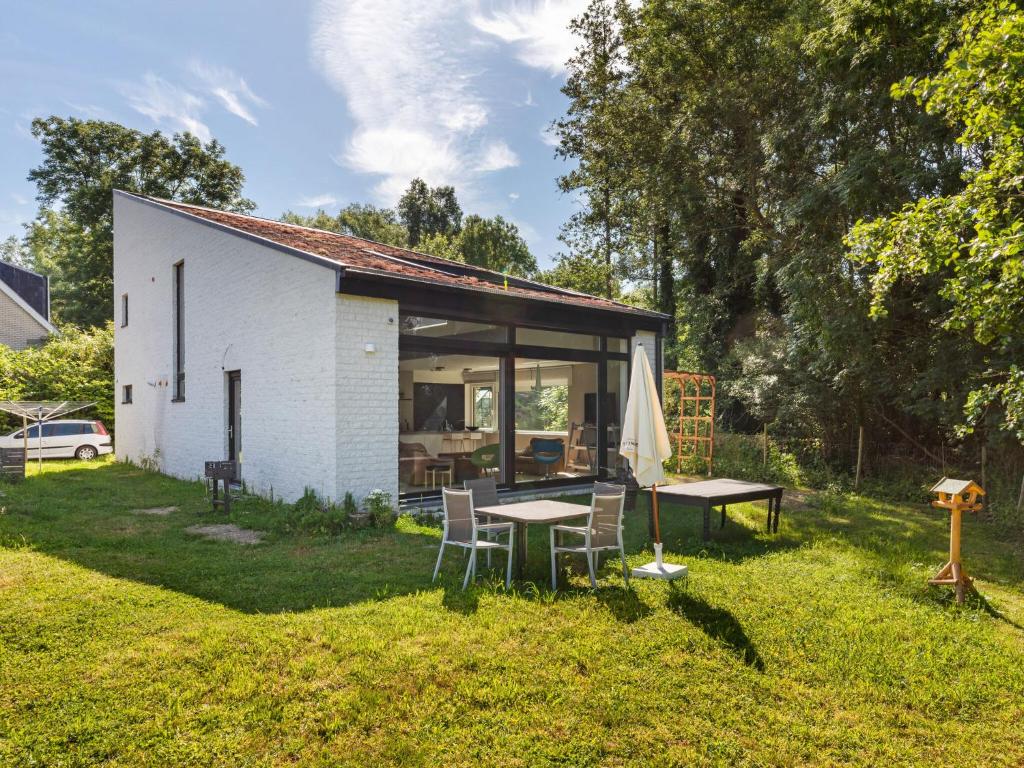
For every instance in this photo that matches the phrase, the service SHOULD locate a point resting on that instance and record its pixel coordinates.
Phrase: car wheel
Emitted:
(86, 453)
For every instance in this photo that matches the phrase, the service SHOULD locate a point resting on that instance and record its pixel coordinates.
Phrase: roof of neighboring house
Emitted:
(366, 257)
(28, 308)
(34, 289)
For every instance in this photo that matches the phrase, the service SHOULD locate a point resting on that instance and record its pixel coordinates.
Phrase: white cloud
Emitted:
(549, 137)
(167, 104)
(229, 88)
(412, 76)
(19, 199)
(538, 29)
(317, 201)
(496, 156)
(513, 196)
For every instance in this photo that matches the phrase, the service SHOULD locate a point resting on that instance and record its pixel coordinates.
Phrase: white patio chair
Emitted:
(485, 494)
(461, 529)
(603, 532)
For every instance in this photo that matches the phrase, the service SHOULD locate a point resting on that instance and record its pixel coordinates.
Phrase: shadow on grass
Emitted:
(717, 623)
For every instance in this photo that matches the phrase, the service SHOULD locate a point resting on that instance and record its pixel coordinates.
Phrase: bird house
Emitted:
(957, 496)
(961, 493)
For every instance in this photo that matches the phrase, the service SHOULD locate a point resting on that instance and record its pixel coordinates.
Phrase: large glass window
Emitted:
(448, 330)
(449, 420)
(553, 436)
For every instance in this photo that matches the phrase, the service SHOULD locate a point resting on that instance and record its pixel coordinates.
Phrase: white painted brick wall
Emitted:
(247, 307)
(650, 340)
(367, 396)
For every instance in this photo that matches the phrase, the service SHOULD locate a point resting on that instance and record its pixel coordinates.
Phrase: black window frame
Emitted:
(179, 333)
(509, 351)
(124, 310)
(126, 394)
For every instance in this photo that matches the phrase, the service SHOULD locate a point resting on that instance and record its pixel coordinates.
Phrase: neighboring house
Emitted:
(24, 307)
(325, 361)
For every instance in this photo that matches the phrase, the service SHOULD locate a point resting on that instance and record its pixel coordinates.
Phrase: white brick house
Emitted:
(302, 354)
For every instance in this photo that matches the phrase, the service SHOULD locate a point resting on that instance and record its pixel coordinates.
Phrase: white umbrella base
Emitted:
(659, 569)
(665, 571)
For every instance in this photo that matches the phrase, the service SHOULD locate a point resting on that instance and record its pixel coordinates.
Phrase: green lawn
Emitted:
(125, 641)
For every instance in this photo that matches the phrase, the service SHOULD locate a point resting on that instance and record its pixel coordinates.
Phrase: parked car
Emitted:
(63, 439)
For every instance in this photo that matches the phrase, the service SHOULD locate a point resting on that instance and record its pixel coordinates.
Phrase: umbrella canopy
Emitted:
(645, 444)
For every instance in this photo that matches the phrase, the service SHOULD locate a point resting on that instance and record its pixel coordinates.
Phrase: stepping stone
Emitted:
(226, 532)
(158, 511)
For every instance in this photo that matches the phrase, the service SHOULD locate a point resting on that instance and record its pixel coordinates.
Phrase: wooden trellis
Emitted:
(695, 435)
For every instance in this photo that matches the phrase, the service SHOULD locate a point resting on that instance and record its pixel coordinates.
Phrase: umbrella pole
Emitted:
(654, 510)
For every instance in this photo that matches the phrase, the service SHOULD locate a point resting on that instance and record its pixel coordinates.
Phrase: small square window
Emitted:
(126, 394)
(124, 310)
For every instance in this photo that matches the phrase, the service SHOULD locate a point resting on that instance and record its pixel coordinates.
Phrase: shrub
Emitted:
(378, 505)
(76, 365)
(311, 514)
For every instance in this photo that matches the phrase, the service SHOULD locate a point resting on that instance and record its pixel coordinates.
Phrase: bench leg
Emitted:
(778, 510)
(722, 524)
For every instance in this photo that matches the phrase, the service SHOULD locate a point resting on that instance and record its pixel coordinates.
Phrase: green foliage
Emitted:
(429, 211)
(14, 252)
(380, 508)
(84, 161)
(359, 220)
(545, 409)
(971, 240)
(722, 151)
(74, 365)
(493, 244)
(583, 273)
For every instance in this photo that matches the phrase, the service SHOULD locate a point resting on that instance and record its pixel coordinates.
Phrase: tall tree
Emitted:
(83, 162)
(969, 245)
(742, 139)
(429, 211)
(489, 243)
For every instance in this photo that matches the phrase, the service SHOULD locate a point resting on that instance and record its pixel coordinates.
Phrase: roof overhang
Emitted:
(495, 305)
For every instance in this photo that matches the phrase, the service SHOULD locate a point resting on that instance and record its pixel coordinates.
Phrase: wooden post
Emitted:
(951, 497)
(860, 456)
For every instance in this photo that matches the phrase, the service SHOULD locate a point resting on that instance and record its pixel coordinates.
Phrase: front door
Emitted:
(235, 420)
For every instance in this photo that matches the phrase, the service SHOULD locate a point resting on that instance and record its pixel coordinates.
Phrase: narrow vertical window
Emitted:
(124, 310)
(179, 331)
(126, 394)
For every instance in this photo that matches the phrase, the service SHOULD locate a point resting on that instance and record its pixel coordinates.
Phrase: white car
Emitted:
(63, 439)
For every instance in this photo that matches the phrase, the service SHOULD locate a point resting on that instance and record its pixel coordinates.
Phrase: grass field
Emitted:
(125, 641)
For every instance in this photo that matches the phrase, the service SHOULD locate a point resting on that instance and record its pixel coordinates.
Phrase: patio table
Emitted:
(713, 493)
(543, 511)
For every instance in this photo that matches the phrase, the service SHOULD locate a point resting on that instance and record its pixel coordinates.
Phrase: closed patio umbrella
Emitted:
(645, 445)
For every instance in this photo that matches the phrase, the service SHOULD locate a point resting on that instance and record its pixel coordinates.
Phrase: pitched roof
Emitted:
(377, 259)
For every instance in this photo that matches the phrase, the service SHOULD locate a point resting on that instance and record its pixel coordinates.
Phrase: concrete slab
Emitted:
(226, 532)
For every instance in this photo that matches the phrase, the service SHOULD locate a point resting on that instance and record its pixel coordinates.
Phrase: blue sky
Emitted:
(321, 103)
